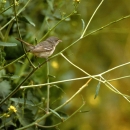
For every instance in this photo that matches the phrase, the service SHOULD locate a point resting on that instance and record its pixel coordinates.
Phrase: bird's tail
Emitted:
(27, 45)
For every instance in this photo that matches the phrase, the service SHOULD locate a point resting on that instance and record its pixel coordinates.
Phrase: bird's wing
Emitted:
(42, 47)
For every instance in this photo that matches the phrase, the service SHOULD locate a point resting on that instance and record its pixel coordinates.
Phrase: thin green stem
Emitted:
(7, 31)
(114, 89)
(91, 19)
(39, 41)
(72, 97)
(55, 26)
(6, 25)
(24, 65)
(1, 36)
(78, 67)
(17, 88)
(115, 68)
(15, 13)
(63, 120)
(12, 62)
(103, 27)
(65, 103)
(6, 9)
(82, 35)
(14, 17)
(123, 77)
(48, 88)
(57, 82)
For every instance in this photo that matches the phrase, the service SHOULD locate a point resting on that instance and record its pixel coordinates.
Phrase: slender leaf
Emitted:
(24, 19)
(14, 77)
(97, 90)
(50, 3)
(7, 44)
(54, 112)
(83, 24)
(83, 111)
(51, 76)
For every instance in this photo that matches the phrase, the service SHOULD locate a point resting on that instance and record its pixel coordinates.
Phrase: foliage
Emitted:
(40, 94)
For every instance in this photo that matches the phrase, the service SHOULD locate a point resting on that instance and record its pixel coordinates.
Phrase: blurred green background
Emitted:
(95, 54)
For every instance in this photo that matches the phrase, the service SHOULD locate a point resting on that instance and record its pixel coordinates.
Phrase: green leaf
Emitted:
(54, 112)
(63, 115)
(97, 90)
(14, 77)
(4, 88)
(7, 44)
(22, 101)
(51, 76)
(50, 3)
(24, 19)
(59, 88)
(9, 77)
(2, 73)
(83, 111)
(25, 119)
(83, 24)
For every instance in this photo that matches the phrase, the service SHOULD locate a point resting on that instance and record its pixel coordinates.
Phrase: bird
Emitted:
(43, 49)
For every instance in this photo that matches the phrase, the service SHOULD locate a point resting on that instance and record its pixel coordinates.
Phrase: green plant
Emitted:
(25, 103)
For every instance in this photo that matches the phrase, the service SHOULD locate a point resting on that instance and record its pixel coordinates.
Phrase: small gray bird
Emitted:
(43, 49)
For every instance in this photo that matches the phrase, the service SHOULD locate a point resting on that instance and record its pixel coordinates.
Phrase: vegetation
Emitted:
(71, 89)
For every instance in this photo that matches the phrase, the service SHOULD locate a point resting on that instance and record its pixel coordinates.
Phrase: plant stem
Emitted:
(48, 87)
(65, 103)
(17, 15)
(91, 19)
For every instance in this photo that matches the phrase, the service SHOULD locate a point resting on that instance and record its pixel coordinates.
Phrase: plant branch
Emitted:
(114, 89)
(94, 77)
(65, 103)
(39, 41)
(12, 62)
(63, 119)
(91, 19)
(48, 88)
(115, 68)
(15, 13)
(14, 17)
(103, 27)
(7, 9)
(55, 26)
